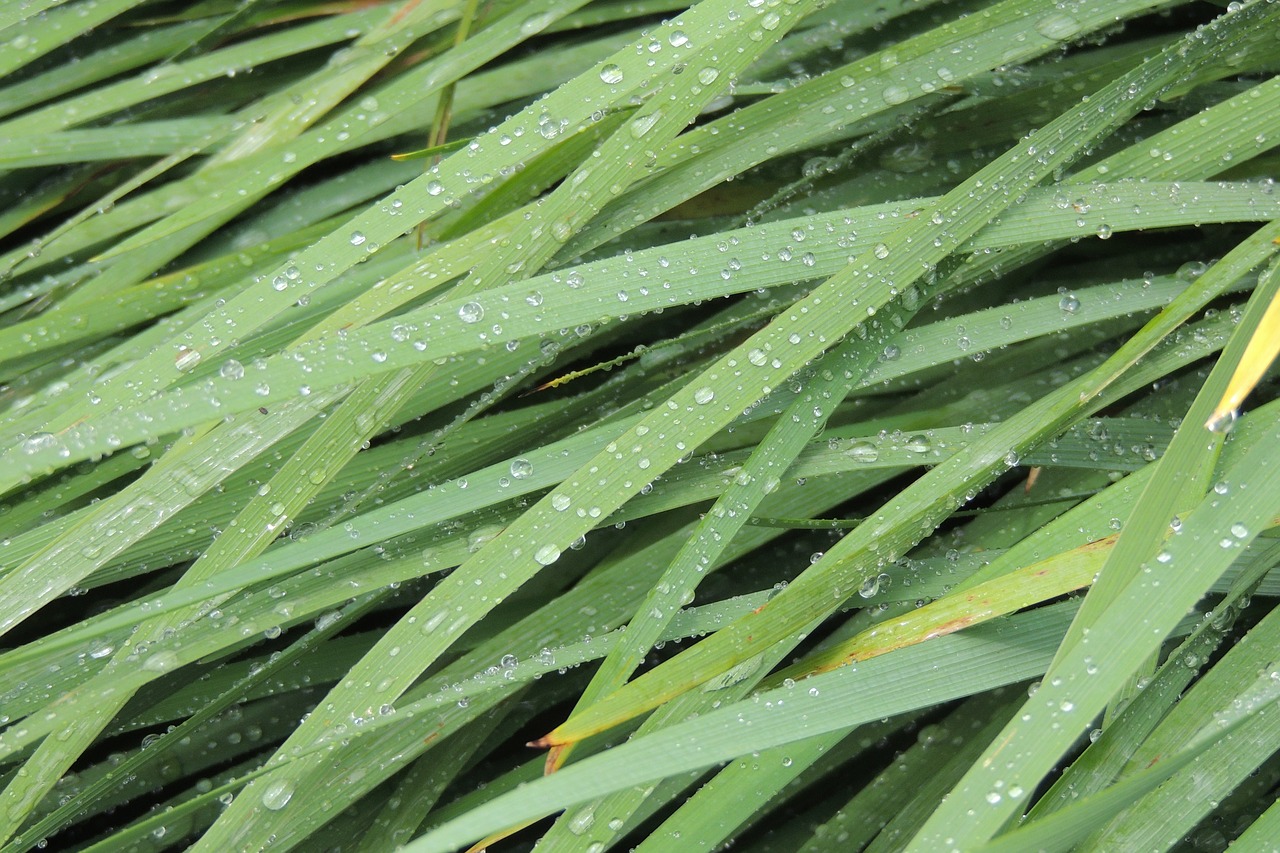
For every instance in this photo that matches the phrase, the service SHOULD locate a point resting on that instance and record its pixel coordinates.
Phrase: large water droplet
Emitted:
(642, 124)
(919, 444)
(277, 795)
(611, 74)
(896, 95)
(871, 585)
(471, 312)
(733, 676)
(186, 359)
(863, 451)
(161, 662)
(582, 820)
(1057, 26)
(547, 554)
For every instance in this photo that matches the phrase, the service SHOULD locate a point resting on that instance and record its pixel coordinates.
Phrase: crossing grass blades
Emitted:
(807, 425)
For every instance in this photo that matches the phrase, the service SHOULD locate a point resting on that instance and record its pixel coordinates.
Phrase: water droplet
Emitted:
(471, 312)
(582, 820)
(677, 38)
(277, 795)
(357, 238)
(1223, 423)
(161, 662)
(560, 502)
(536, 23)
(703, 396)
(642, 124)
(1192, 270)
(863, 451)
(1057, 26)
(1069, 304)
(547, 554)
(881, 251)
(611, 74)
(186, 359)
(480, 537)
(38, 441)
(919, 444)
(708, 75)
(757, 357)
(521, 468)
(896, 95)
(733, 676)
(1239, 530)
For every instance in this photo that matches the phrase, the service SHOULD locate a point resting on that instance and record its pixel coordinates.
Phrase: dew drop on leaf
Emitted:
(896, 95)
(1057, 26)
(919, 444)
(187, 359)
(277, 795)
(642, 124)
(863, 451)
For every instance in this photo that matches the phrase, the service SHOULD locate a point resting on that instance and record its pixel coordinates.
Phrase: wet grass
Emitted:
(782, 415)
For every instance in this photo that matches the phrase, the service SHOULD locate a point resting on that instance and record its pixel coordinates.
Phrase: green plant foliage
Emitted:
(790, 415)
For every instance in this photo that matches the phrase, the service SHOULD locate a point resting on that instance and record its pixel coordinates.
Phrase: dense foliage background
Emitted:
(784, 414)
